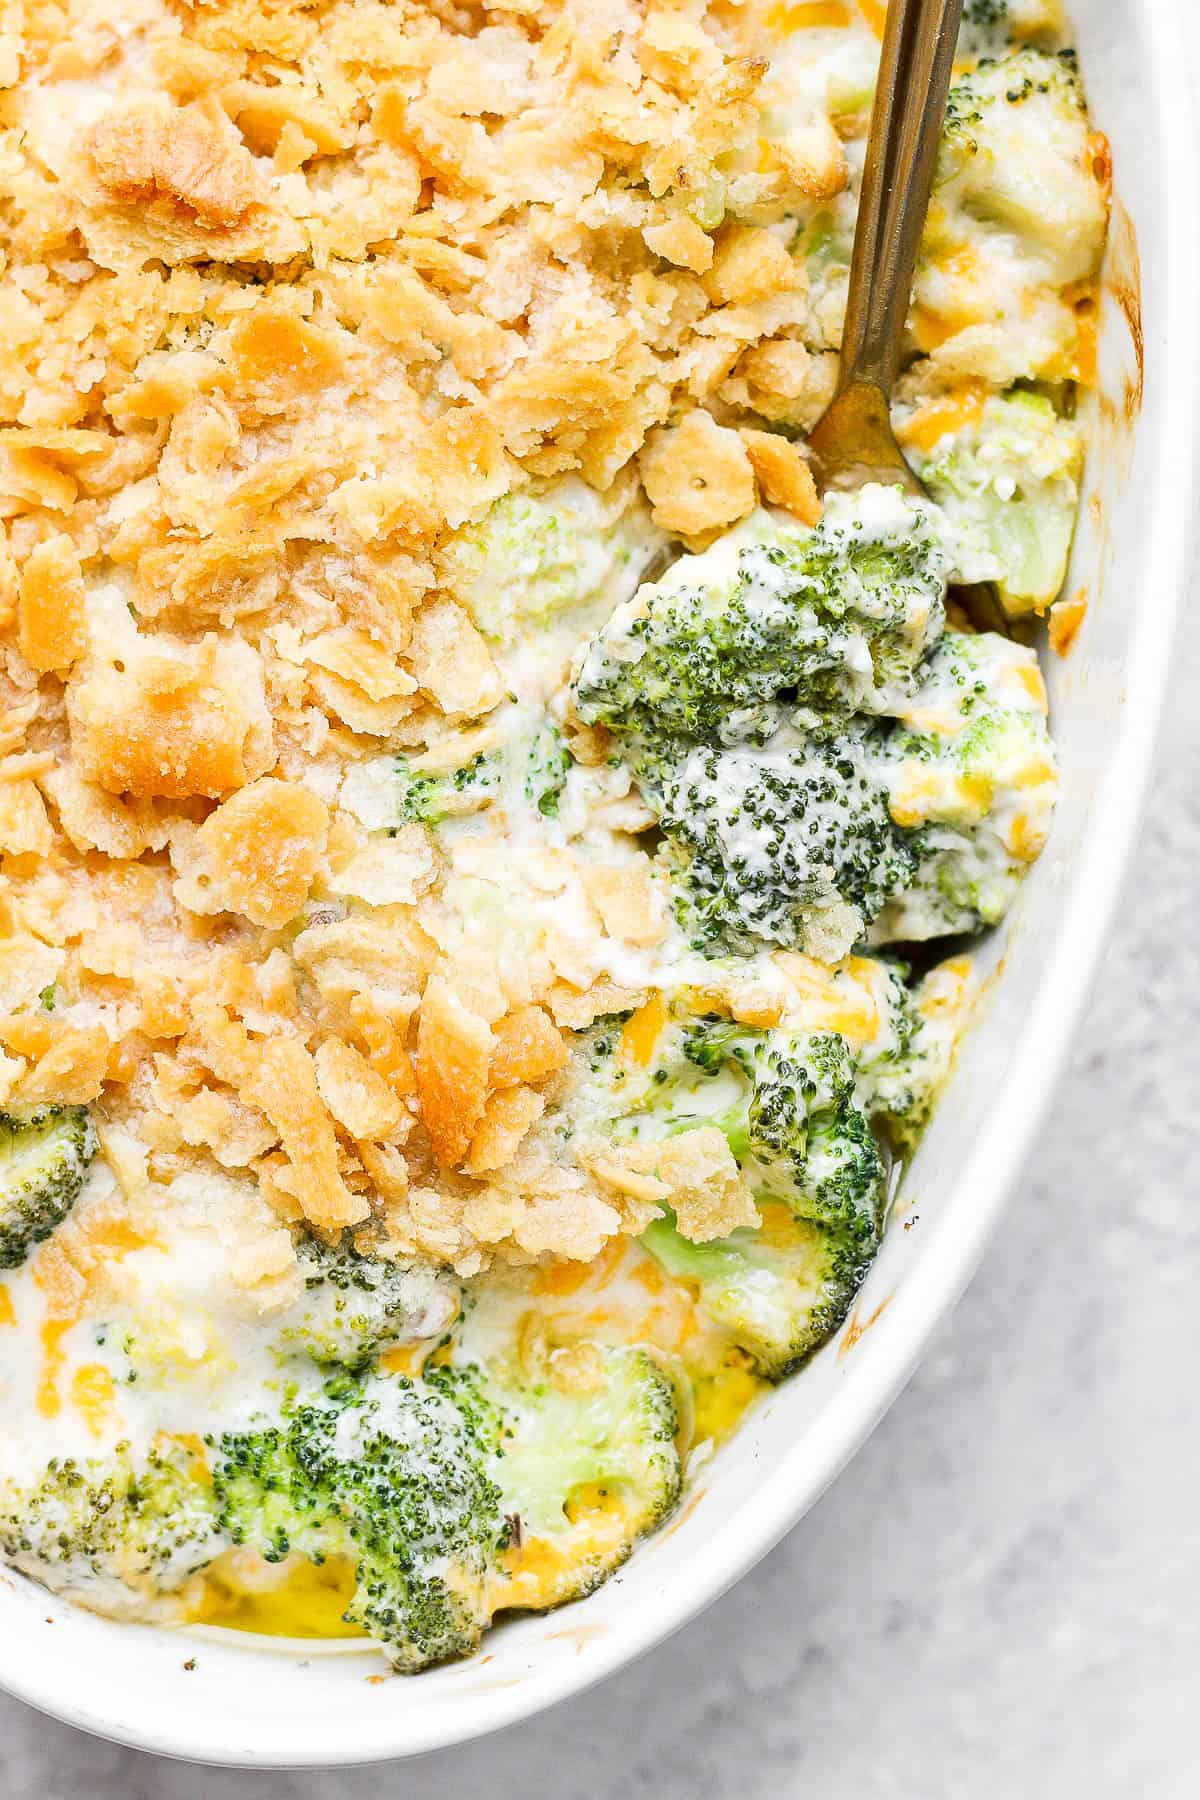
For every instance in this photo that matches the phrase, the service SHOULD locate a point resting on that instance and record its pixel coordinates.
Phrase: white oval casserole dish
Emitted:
(257, 1702)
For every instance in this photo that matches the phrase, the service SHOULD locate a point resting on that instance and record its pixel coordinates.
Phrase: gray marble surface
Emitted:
(998, 1599)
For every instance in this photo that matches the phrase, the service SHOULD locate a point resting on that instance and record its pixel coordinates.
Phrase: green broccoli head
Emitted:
(786, 1101)
(436, 1490)
(1009, 484)
(525, 766)
(803, 1141)
(791, 844)
(800, 1111)
(900, 830)
(997, 23)
(353, 1305)
(395, 1478)
(1014, 156)
(113, 1532)
(788, 1104)
(587, 1464)
(44, 1160)
(972, 781)
(809, 1139)
(773, 622)
(802, 1137)
(903, 1069)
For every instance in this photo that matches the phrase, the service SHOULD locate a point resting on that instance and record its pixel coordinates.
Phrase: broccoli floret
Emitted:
(432, 1487)
(810, 1141)
(395, 1479)
(972, 780)
(991, 26)
(733, 685)
(906, 829)
(537, 555)
(780, 1292)
(428, 799)
(1009, 483)
(817, 624)
(547, 765)
(44, 1159)
(800, 1110)
(586, 1467)
(794, 845)
(1014, 157)
(525, 764)
(794, 1122)
(791, 1109)
(903, 1069)
(352, 1305)
(777, 737)
(788, 1105)
(114, 1532)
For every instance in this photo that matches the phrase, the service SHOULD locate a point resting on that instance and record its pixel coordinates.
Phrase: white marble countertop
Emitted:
(999, 1596)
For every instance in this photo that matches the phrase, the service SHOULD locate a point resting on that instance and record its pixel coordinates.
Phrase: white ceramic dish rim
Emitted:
(935, 1283)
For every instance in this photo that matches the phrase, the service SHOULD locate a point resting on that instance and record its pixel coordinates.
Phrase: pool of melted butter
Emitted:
(293, 1599)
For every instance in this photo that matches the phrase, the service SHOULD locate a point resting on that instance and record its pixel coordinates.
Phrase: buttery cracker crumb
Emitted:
(783, 474)
(697, 475)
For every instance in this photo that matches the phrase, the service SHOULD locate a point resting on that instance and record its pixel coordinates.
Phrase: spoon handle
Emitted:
(919, 42)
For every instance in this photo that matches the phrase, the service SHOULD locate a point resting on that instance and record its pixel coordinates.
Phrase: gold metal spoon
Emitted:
(853, 441)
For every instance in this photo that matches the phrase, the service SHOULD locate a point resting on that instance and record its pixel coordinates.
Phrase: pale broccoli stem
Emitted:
(585, 1468)
(974, 790)
(780, 1292)
(1014, 156)
(1009, 482)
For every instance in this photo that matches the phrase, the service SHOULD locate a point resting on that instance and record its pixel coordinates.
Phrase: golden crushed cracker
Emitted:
(25, 828)
(357, 1096)
(184, 155)
(169, 720)
(627, 901)
(527, 1047)
(257, 853)
(695, 1174)
(697, 475)
(783, 474)
(507, 1117)
(750, 263)
(293, 300)
(52, 633)
(284, 1087)
(454, 1053)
